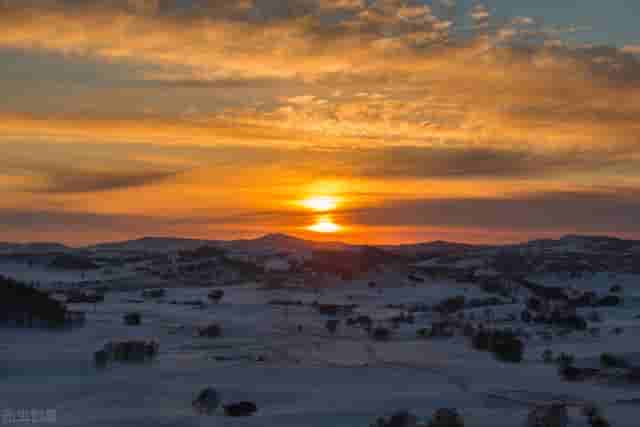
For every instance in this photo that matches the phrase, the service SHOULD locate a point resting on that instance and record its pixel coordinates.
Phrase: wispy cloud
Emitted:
(599, 210)
(91, 181)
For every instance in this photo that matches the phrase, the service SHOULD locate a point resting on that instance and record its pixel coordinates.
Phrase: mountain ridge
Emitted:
(285, 242)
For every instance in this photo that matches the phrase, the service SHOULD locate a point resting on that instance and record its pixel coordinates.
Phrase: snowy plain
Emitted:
(308, 377)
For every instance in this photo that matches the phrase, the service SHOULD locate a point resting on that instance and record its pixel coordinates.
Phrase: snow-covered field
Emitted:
(309, 377)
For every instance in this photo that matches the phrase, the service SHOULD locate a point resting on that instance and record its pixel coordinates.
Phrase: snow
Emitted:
(49, 277)
(276, 265)
(310, 378)
(598, 282)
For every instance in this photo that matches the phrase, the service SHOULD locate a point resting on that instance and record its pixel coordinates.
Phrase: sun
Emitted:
(325, 225)
(321, 203)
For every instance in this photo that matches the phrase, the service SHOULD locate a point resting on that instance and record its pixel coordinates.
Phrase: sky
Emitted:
(369, 121)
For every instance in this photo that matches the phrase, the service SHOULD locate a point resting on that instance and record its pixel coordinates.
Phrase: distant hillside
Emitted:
(276, 243)
(283, 243)
(579, 243)
(153, 244)
(73, 262)
(32, 248)
(429, 249)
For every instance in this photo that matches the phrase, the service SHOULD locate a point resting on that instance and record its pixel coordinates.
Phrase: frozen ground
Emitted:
(310, 378)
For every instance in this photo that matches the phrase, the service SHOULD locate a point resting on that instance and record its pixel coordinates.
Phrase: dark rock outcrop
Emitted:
(21, 305)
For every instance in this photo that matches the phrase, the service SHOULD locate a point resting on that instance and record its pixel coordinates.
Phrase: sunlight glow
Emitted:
(325, 224)
(321, 203)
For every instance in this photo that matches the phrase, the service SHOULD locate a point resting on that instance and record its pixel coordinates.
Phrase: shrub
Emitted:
(216, 295)
(211, 331)
(404, 318)
(240, 409)
(565, 359)
(595, 317)
(423, 333)
(451, 305)
(576, 322)
(609, 301)
(381, 334)
(594, 416)
(569, 372)
(23, 305)
(334, 309)
(364, 321)
(441, 329)
(599, 421)
(399, 419)
(101, 357)
(79, 297)
(468, 330)
(332, 325)
(132, 319)
(481, 340)
(615, 289)
(446, 417)
(507, 347)
(553, 415)
(633, 375)
(547, 356)
(207, 401)
(128, 351)
(608, 360)
(590, 410)
(153, 293)
(534, 304)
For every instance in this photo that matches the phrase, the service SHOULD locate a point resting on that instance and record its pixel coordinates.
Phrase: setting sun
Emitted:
(321, 203)
(325, 225)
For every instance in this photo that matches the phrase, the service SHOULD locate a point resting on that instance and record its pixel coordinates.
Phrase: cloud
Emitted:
(66, 172)
(509, 217)
(631, 48)
(480, 14)
(144, 6)
(489, 83)
(39, 219)
(92, 181)
(585, 211)
(139, 128)
(288, 38)
(478, 162)
(311, 90)
(79, 227)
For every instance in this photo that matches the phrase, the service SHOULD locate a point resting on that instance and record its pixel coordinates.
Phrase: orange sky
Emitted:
(419, 120)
